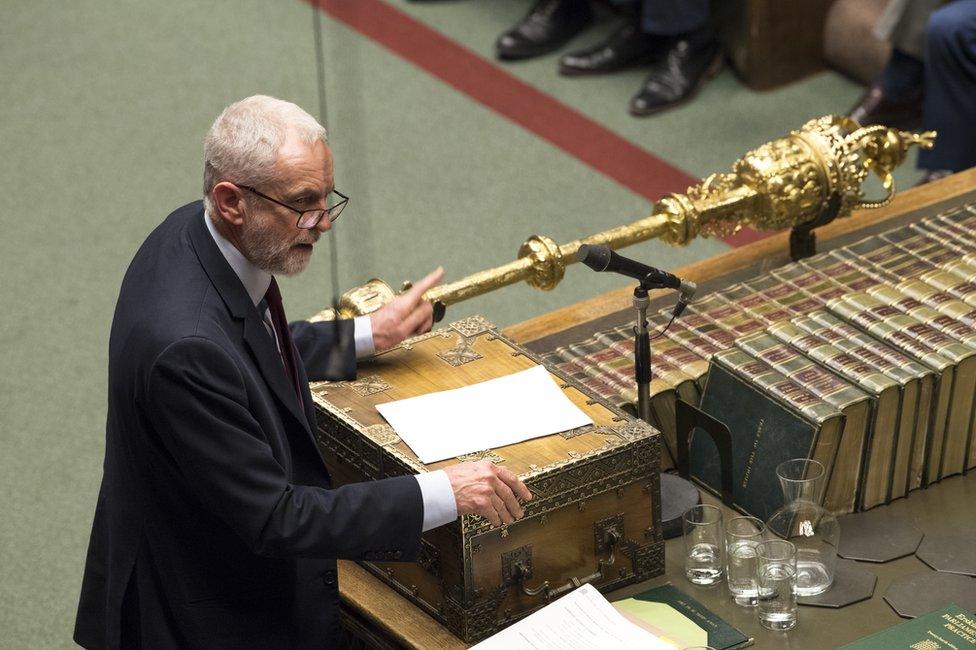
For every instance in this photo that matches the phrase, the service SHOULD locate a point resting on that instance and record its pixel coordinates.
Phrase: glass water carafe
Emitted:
(803, 521)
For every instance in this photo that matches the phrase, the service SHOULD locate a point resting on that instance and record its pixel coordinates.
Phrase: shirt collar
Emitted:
(256, 281)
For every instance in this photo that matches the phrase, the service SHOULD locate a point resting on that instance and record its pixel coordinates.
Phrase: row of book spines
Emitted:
(607, 362)
(719, 325)
(942, 334)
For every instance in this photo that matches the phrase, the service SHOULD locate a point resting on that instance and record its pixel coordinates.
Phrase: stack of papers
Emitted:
(580, 620)
(492, 414)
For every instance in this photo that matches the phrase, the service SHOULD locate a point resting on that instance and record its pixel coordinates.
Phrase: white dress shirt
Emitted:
(440, 506)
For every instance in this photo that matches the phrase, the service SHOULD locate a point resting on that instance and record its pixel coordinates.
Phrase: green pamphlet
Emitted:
(949, 628)
(680, 619)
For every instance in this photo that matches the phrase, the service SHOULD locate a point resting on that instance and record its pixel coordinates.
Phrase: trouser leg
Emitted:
(950, 87)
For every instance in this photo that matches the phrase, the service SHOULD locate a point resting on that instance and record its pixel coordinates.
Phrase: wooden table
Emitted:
(395, 622)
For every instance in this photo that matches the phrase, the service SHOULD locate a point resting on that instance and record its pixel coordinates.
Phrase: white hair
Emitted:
(242, 144)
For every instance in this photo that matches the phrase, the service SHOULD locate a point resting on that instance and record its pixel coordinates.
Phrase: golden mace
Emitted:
(805, 179)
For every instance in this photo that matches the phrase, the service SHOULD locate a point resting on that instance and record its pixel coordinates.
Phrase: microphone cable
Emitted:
(323, 120)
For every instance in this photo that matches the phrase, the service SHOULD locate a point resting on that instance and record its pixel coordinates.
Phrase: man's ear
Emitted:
(228, 201)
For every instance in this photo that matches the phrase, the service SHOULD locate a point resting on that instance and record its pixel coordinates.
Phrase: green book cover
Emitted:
(765, 431)
(949, 628)
(680, 618)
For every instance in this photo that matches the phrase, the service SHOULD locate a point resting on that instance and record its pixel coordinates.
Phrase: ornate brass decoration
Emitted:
(788, 182)
(481, 455)
(606, 531)
(369, 385)
(471, 326)
(475, 621)
(461, 353)
(430, 558)
(578, 431)
(517, 565)
(382, 434)
(648, 560)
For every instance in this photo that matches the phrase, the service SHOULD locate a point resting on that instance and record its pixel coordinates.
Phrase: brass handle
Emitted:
(613, 537)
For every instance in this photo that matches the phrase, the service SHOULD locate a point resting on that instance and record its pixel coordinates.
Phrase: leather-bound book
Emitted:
(593, 360)
(962, 219)
(662, 400)
(888, 422)
(585, 372)
(849, 278)
(918, 391)
(729, 315)
(927, 294)
(921, 245)
(666, 366)
(844, 481)
(695, 319)
(686, 360)
(949, 237)
(960, 330)
(753, 301)
(771, 418)
(689, 338)
(950, 279)
(955, 361)
(610, 375)
(909, 334)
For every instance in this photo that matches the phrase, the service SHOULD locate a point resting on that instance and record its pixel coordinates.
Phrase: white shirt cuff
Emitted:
(440, 507)
(363, 336)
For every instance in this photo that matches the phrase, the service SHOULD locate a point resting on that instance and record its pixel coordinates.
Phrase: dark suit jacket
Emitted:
(215, 521)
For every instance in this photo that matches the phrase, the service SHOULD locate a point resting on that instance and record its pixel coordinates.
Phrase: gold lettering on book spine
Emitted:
(795, 180)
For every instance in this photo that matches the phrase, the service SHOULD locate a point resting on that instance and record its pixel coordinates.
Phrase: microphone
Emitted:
(685, 293)
(601, 258)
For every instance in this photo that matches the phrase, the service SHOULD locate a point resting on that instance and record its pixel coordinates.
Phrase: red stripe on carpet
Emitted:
(576, 134)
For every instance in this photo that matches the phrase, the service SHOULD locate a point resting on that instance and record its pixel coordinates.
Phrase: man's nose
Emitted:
(324, 224)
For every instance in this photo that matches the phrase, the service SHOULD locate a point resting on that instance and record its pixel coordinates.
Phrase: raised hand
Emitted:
(406, 315)
(483, 488)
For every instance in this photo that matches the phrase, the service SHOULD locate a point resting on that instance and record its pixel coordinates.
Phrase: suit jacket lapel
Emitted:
(256, 337)
(263, 349)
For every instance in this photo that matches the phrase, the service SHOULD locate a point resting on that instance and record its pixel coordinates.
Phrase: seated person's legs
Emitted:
(672, 36)
(895, 98)
(950, 88)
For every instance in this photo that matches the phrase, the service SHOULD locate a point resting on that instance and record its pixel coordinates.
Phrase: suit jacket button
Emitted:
(329, 578)
(398, 555)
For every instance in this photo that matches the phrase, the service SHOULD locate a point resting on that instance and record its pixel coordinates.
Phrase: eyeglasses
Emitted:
(307, 219)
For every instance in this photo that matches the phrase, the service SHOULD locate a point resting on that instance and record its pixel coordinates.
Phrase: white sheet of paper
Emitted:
(580, 620)
(491, 414)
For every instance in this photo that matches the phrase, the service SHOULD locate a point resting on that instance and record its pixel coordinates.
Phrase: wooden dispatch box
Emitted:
(595, 515)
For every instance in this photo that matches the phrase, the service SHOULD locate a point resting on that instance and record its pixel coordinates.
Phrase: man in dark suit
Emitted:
(216, 524)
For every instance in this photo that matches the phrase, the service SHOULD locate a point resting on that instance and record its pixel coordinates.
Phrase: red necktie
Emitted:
(273, 298)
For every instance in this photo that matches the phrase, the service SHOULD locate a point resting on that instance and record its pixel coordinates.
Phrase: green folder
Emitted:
(949, 628)
(680, 619)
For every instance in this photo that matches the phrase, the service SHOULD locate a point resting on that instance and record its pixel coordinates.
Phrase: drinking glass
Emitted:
(704, 544)
(776, 579)
(742, 535)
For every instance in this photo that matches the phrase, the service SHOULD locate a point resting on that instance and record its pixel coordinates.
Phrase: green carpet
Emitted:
(102, 115)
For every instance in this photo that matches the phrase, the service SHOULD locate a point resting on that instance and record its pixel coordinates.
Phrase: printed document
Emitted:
(580, 620)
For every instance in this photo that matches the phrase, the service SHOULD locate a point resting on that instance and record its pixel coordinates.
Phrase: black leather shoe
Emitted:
(875, 107)
(677, 76)
(546, 28)
(625, 47)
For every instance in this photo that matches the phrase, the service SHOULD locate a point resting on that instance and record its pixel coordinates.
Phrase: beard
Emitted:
(262, 243)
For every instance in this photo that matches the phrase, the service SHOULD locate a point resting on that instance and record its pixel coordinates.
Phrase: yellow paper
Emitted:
(664, 621)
